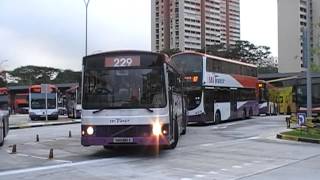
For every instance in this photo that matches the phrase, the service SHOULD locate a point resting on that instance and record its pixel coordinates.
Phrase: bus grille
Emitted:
(124, 131)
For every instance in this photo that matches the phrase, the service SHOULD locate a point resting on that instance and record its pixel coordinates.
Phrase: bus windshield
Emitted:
(38, 101)
(124, 88)
(188, 63)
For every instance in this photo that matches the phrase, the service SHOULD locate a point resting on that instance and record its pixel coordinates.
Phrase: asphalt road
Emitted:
(235, 150)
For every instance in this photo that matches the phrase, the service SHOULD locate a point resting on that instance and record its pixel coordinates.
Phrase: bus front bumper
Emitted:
(110, 141)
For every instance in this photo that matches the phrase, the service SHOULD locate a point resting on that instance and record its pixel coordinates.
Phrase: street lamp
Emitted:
(86, 2)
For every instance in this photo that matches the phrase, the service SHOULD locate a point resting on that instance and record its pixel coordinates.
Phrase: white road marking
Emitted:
(213, 172)
(30, 170)
(206, 145)
(199, 176)
(254, 137)
(237, 167)
(185, 179)
(38, 157)
(224, 169)
(247, 164)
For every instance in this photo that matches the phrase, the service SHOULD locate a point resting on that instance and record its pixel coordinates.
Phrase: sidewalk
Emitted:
(21, 121)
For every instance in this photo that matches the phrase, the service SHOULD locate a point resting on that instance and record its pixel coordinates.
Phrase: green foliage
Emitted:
(313, 133)
(27, 75)
(245, 51)
(170, 52)
(315, 68)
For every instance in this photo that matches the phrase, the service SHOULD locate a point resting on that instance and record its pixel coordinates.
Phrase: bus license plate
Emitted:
(122, 140)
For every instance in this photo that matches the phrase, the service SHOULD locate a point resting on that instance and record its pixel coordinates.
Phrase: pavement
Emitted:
(235, 150)
(20, 121)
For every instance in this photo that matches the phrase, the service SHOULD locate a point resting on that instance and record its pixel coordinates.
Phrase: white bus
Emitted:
(218, 89)
(37, 102)
(131, 98)
(4, 114)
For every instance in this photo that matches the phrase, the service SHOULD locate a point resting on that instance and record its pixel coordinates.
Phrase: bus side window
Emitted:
(175, 81)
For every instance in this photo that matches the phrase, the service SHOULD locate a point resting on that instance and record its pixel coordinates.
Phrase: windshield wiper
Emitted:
(150, 110)
(99, 110)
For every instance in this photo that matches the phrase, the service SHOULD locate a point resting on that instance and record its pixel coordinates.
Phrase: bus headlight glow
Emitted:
(90, 130)
(156, 128)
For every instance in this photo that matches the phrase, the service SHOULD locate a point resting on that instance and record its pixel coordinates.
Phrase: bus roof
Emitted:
(215, 57)
(126, 51)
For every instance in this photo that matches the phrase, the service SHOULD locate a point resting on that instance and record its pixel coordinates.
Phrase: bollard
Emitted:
(70, 135)
(37, 138)
(14, 149)
(51, 154)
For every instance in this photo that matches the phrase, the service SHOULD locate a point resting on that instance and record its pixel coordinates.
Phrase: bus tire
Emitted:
(176, 136)
(184, 131)
(217, 118)
(2, 131)
(288, 110)
(250, 113)
(244, 114)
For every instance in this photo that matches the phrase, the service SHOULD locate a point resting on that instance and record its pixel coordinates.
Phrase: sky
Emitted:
(52, 32)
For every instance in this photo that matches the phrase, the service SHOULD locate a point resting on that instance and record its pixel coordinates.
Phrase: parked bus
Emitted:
(21, 103)
(287, 100)
(218, 89)
(131, 98)
(4, 114)
(37, 102)
(73, 103)
(268, 96)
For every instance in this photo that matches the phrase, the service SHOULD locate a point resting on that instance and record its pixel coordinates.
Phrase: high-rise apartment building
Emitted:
(194, 24)
(292, 20)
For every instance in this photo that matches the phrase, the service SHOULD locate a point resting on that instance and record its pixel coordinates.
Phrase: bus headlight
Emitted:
(90, 130)
(156, 128)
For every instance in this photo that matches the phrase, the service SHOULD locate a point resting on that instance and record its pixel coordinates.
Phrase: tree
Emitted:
(68, 76)
(170, 52)
(27, 75)
(244, 51)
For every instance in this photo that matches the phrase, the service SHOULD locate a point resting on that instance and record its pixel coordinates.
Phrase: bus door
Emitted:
(171, 83)
(209, 104)
(233, 103)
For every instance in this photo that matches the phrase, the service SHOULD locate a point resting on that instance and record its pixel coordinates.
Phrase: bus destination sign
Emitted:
(122, 61)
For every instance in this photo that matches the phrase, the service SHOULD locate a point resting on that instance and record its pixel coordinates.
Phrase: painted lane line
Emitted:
(206, 145)
(59, 166)
(237, 167)
(39, 157)
(247, 164)
(253, 138)
(213, 172)
(199, 176)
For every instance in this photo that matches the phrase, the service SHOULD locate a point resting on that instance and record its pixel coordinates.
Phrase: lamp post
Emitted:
(308, 60)
(86, 2)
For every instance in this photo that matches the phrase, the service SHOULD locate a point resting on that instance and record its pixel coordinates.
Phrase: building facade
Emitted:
(292, 21)
(194, 24)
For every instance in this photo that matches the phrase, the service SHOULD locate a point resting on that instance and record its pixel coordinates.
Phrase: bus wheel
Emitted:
(244, 114)
(217, 118)
(2, 134)
(175, 136)
(250, 112)
(184, 131)
(288, 111)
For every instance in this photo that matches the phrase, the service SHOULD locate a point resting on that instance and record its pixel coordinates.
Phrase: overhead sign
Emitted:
(44, 88)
